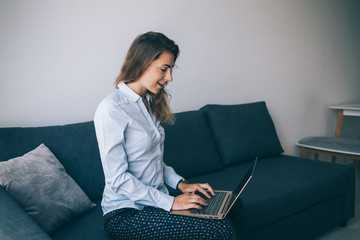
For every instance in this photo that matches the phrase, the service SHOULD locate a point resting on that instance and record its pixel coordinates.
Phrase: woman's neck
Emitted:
(141, 91)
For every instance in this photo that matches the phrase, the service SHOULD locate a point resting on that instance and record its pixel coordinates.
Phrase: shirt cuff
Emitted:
(166, 202)
(173, 181)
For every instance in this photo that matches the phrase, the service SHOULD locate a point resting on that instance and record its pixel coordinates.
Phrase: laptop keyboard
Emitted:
(214, 204)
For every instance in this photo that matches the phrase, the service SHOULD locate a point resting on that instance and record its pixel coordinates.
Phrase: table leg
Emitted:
(339, 123)
(303, 153)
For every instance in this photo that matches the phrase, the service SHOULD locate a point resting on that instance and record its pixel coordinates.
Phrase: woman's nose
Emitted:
(168, 75)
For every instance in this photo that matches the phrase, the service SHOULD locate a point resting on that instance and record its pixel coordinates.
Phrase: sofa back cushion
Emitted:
(242, 132)
(74, 145)
(189, 145)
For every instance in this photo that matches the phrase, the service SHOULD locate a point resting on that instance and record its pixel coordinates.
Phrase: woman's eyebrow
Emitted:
(167, 65)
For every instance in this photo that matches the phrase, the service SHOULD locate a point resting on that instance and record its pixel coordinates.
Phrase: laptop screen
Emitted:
(249, 173)
(241, 186)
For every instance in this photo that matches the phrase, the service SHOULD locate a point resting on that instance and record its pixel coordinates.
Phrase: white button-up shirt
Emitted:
(131, 144)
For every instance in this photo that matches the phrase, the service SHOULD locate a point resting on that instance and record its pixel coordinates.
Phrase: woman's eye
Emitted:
(163, 70)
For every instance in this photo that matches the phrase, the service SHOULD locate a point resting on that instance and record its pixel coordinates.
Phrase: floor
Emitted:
(352, 230)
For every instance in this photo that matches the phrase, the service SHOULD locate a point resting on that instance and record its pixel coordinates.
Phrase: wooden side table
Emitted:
(352, 109)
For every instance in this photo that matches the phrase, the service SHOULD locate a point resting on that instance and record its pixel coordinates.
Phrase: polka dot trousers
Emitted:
(155, 223)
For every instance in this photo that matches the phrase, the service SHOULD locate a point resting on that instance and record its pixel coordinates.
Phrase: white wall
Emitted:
(58, 59)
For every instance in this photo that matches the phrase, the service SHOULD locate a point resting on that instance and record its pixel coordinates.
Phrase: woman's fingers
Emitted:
(198, 199)
(208, 188)
(192, 200)
(188, 201)
(203, 191)
(203, 188)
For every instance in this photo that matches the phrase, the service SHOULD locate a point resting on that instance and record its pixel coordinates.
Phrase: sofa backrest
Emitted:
(200, 142)
(242, 132)
(75, 146)
(189, 145)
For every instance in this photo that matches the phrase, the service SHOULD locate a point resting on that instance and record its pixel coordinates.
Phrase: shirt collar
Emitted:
(133, 96)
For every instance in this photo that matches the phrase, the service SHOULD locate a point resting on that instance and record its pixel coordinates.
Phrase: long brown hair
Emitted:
(145, 49)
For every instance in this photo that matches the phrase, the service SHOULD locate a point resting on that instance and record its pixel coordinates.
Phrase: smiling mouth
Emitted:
(162, 85)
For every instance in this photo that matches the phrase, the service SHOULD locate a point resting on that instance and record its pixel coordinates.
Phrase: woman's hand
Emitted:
(187, 201)
(196, 187)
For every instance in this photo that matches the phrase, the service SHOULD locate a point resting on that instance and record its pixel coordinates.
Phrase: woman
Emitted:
(136, 203)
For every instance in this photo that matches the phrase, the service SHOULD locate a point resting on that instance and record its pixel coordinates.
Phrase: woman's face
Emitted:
(156, 76)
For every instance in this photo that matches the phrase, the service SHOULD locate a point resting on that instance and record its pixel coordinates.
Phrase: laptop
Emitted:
(220, 204)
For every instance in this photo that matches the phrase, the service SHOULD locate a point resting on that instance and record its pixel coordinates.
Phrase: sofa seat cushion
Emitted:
(189, 145)
(243, 131)
(283, 186)
(87, 226)
(12, 216)
(286, 185)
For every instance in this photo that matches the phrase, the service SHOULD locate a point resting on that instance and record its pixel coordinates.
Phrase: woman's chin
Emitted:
(156, 90)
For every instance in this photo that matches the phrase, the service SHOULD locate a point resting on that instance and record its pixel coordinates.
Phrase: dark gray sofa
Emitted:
(288, 197)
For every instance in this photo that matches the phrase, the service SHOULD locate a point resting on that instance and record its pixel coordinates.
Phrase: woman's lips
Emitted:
(162, 85)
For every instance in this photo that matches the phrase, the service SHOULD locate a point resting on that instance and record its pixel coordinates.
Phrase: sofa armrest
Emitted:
(15, 223)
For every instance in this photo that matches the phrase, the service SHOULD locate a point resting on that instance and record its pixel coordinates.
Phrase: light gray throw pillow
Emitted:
(41, 186)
